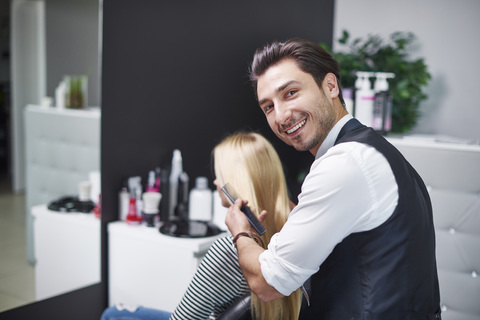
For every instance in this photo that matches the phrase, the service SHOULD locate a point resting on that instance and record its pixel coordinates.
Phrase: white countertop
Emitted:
(153, 234)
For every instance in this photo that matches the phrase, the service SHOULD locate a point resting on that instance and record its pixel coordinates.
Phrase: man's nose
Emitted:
(283, 113)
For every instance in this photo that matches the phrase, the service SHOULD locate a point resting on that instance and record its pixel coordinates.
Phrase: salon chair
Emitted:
(239, 310)
(452, 173)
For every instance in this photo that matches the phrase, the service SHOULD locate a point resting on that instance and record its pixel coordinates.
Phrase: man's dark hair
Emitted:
(309, 57)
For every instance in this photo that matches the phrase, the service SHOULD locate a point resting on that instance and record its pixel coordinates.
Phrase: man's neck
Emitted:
(332, 136)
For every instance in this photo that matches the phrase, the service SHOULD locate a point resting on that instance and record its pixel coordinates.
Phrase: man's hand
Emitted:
(249, 251)
(236, 220)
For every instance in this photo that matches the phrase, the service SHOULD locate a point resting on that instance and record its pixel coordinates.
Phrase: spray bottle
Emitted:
(135, 206)
(382, 109)
(175, 172)
(364, 98)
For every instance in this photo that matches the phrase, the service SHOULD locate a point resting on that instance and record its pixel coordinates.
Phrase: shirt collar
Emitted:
(332, 136)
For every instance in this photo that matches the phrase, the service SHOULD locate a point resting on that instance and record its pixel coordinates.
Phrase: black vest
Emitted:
(389, 272)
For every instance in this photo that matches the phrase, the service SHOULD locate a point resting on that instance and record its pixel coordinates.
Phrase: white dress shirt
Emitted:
(350, 188)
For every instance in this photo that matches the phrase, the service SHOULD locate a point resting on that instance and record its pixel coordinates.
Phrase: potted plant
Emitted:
(377, 55)
(76, 91)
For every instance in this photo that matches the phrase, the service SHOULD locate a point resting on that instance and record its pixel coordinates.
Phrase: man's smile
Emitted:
(296, 127)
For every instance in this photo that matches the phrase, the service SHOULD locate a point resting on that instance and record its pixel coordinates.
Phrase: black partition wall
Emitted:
(174, 75)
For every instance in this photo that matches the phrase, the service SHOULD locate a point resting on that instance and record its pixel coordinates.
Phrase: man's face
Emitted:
(298, 111)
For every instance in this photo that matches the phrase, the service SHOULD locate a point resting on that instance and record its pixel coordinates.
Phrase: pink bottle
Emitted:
(132, 216)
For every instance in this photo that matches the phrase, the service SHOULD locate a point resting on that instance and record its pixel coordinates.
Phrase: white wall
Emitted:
(27, 72)
(448, 38)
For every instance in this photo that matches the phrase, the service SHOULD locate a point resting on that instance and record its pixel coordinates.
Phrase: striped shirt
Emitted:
(216, 284)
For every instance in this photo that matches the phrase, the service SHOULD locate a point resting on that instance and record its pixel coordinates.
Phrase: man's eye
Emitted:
(291, 93)
(267, 108)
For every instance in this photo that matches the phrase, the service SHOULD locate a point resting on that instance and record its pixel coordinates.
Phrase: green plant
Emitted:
(76, 91)
(376, 54)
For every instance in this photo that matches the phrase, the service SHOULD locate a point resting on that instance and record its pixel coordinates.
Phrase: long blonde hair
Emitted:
(249, 163)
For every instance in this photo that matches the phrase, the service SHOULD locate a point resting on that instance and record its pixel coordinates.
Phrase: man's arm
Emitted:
(249, 252)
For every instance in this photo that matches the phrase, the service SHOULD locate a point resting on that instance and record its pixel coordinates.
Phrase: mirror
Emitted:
(66, 35)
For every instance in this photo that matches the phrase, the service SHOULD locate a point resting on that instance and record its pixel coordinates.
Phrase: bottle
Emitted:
(67, 80)
(175, 171)
(364, 98)
(382, 108)
(200, 201)
(123, 201)
(132, 216)
(60, 95)
(165, 191)
(151, 182)
(151, 201)
(135, 187)
(135, 191)
(157, 179)
(348, 98)
(181, 210)
(97, 211)
(139, 200)
(84, 191)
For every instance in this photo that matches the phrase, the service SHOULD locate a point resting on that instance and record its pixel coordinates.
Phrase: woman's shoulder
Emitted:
(226, 240)
(222, 257)
(224, 247)
(224, 243)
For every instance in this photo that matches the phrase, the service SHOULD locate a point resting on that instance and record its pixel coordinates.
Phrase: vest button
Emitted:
(474, 274)
(451, 230)
(444, 308)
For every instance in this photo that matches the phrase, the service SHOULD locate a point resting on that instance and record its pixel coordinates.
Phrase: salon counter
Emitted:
(67, 250)
(149, 268)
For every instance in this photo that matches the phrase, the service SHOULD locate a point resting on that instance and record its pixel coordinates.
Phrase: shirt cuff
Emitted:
(280, 274)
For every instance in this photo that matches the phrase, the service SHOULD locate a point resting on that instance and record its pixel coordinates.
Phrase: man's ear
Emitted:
(331, 85)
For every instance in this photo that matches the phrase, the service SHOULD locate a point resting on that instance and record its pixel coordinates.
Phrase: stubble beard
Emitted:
(323, 119)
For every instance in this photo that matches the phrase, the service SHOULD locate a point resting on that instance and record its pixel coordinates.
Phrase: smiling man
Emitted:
(362, 232)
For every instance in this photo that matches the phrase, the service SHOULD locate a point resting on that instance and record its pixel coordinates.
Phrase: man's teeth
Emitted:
(298, 126)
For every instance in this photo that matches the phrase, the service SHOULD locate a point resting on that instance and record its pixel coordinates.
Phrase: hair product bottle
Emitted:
(200, 201)
(123, 202)
(165, 191)
(151, 200)
(382, 107)
(151, 182)
(364, 98)
(181, 209)
(157, 179)
(175, 171)
(132, 216)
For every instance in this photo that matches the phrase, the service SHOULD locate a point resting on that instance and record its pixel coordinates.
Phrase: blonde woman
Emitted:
(249, 163)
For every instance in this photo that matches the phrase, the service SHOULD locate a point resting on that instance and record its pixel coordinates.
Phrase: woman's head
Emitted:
(250, 164)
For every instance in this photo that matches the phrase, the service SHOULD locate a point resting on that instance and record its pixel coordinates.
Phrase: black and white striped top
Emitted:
(216, 284)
